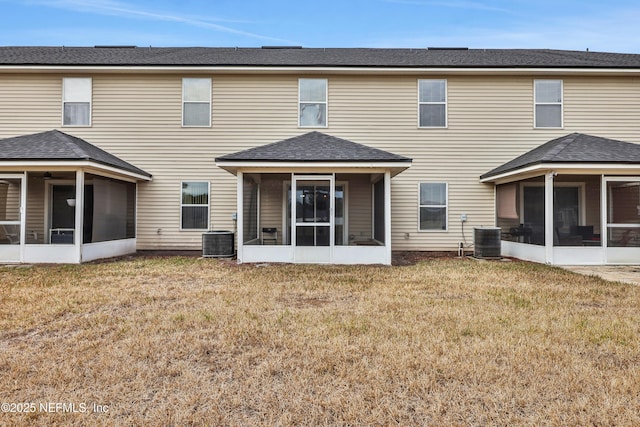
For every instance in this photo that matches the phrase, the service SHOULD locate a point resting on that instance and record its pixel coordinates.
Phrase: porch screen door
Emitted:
(312, 236)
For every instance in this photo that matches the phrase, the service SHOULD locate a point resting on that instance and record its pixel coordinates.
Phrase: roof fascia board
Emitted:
(567, 168)
(394, 169)
(73, 165)
(314, 69)
(312, 165)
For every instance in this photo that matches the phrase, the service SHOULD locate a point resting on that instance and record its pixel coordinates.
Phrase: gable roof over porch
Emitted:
(53, 148)
(314, 149)
(575, 150)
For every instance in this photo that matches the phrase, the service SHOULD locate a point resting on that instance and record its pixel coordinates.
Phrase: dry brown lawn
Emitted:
(183, 341)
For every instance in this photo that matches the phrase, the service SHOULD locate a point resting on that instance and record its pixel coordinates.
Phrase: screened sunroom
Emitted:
(63, 200)
(314, 198)
(573, 200)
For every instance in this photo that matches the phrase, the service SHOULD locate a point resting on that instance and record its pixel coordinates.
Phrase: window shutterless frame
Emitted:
(187, 205)
(77, 91)
(444, 206)
(539, 101)
(192, 97)
(322, 102)
(433, 101)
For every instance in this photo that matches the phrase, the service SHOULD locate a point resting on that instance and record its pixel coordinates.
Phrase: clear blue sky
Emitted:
(597, 25)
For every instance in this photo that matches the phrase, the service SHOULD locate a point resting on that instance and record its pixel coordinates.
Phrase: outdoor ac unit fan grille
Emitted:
(218, 244)
(486, 242)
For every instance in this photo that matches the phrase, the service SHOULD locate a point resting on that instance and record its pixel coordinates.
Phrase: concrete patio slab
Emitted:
(616, 273)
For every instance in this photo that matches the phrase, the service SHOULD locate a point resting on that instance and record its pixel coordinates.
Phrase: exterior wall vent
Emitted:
(486, 242)
(218, 244)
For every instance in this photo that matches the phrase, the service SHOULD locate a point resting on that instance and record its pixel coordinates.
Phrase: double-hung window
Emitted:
(312, 103)
(548, 103)
(194, 206)
(433, 206)
(196, 102)
(76, 101)
(432, 103)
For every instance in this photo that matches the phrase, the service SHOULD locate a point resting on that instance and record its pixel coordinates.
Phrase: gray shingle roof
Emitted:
(574, 148)
(314, 147)
(314, 57)
(55, 145)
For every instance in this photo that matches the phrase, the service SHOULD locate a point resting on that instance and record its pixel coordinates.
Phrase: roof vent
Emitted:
(281, 47)
(447, 48)
(107, 46)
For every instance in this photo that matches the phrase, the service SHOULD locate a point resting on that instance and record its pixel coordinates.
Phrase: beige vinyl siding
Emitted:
(272, 202)
(490, 121)
(35, 219)
(10, 198)
(359, 209)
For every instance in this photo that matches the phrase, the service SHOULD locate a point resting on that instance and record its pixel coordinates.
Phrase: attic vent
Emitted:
(106, 46)
(447, 48)
(281, 47)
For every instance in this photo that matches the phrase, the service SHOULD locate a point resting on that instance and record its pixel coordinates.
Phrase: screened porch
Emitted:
(314, 198)
(584, 211)
(65, 211)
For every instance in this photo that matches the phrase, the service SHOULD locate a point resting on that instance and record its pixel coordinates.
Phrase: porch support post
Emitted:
(548, 217)
(240, 215)
(23, 215)
(77, 233)
(387, 216)
(604, 215)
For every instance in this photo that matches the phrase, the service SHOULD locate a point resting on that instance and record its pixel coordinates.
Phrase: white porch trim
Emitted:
(338, 254)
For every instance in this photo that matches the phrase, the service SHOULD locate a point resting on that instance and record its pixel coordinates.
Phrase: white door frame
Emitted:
(313, 254)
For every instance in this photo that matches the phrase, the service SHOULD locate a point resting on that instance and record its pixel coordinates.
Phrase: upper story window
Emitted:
(76, 101)
(194, 206)
(548, 103)
(433, 206)
(312, 103)
(432, 102)
(196, 102)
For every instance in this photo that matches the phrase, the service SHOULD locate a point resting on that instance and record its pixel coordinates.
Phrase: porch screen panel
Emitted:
(378, 211)
(10, 211)
(623, 216)
(533, 214)
(507, 216)
(113, 210)
(250, 210)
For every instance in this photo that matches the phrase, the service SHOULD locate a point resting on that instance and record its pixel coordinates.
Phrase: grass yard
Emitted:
(179, 341)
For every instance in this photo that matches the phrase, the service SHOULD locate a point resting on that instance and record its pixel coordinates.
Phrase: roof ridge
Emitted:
(72, 143)
(562, 145)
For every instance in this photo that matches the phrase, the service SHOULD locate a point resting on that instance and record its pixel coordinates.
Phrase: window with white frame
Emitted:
(432, 103)
(194, 206)
(76, 101)
(548, 103)
(433, 206)
(312, 102)
(196, 102)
